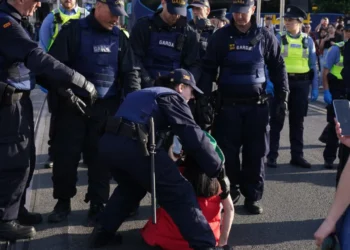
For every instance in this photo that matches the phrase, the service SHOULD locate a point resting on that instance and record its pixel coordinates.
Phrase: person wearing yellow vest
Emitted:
(49, 30)
(334, 88)
(299, 53)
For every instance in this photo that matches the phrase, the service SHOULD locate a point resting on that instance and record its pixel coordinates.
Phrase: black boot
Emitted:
(271, 163)
(101, 237)
(27, 218)
(328, 164)
(60, 212)
(300, 162)
(253, 207)
(95, 210)
(12, 231)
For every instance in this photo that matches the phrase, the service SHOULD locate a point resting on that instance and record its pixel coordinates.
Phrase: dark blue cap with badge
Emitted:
(293, 11)
(115, 6)
(199, 3)
(219, 14)
(347, 23)
(241, 6)
(184, 76)
(177, 7)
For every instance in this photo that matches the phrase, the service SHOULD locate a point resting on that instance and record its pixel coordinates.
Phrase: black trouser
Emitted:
(73, 134)
(16, 154)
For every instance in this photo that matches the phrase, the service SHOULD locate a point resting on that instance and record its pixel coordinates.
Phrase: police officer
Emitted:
(124, 149)
(20, 58)
(241, 50)
(334, 88)
(299, 53)
(218, 18)
(201, 23)
(164, 42)
(344, 151)
(98, 49)
(48, 32)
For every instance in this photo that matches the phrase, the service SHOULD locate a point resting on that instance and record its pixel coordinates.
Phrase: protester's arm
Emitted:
(229, 213)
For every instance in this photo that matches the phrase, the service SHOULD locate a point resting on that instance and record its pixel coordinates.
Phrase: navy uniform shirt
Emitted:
(140, 38)
(66, 47)
(217, 51)
(16, 46)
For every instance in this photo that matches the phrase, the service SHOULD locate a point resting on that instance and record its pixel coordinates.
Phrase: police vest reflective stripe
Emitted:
(295, 52)
(162, 55)
(244, 63)
(140, 105)
(16, 74)
(97, 59)
(59, 19)
(337, 68)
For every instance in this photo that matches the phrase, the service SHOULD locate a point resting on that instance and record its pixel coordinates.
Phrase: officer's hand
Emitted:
(327, 97)
(224, 183)
(269, 88)
(314, 95)
(90, 88)
(204, 112)
(281, 110)
(72, 100)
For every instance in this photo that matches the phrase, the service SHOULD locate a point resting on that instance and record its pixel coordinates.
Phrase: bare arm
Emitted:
(229, 213)
(325, 78)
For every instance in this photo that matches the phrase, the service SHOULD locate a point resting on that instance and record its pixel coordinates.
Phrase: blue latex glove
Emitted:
(314, 95)
(269, 88)
(327, 97)
(43, 90)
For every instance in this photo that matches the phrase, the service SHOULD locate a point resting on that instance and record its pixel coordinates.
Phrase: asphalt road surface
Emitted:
(295, 200)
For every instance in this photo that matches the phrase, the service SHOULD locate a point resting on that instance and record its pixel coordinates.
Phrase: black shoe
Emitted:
(12, 231)
(324, 136)
(235, 195)
(328, 164)
(49, 164)
(300, 162)
(271, 163)
(95, 210)
(60, 212)
(253, 207)
(27, 218)
(101, 237)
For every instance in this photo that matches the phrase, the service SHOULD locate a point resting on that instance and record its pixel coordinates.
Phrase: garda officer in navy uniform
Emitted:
(124, 148)
(98, 49)
(164, 42)
(242, 50)
(218, 18)
(20, 58)
(201, 23)
(299, 53)
(344, 151)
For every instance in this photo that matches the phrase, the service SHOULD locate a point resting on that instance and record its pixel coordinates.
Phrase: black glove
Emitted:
(281, 110)
(204, 112)
(72, 100)
(80, 81)
(224, 183)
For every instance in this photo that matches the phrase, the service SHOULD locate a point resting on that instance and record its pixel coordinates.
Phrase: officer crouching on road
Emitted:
(299, 53)
(242, 50)
(164, 42)
(20, 59)
(201, 23)
(99, 50)
(334, 88)
(124, 149)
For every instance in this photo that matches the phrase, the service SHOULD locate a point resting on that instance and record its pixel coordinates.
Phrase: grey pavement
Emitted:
(295, 200)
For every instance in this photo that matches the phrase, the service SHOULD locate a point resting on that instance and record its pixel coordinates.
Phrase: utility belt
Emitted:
(301, 77)
(260, 100)
(10, 95)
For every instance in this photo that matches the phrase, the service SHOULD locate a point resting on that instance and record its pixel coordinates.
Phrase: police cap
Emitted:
(347, 23)
(177, 7)
(293, 11)
(115, 6)
(199, 3)
(241, 6)
(184, 76)
(219, 14)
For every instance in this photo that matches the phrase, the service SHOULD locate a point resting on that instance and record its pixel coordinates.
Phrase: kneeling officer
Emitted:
(124, 149)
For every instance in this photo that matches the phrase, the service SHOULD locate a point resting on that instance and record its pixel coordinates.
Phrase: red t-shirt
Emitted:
(166, 234)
